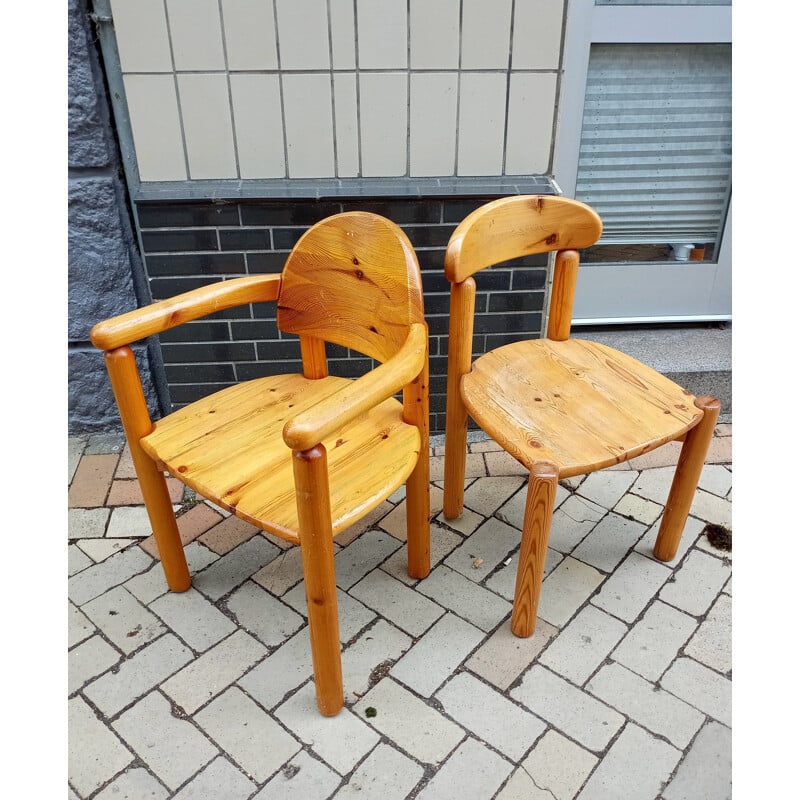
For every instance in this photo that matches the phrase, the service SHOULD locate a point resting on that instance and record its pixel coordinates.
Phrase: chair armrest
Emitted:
(321, 420)
(166, 314)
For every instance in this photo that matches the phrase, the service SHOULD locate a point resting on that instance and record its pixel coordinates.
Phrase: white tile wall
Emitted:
(485, 34)
(303, 34)
(309, 124)
(155, 122)
(481, 123)
(537, 34)
(434, 30)
(343, 34)
(256, 101)
(142, 37)
(384, 123)
(196, 30)
(207, 126)
(531, 101)
(382, 34)
(345, 103)
(249, 34)
(434, 98)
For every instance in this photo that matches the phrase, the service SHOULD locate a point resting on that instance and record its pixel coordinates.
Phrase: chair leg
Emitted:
(536, 524)
(684, 484)
(316, 548)
(418, 512)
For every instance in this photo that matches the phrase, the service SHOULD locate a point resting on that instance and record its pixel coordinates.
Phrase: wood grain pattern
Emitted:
(562, 297)
(512, 227)
(578, 404)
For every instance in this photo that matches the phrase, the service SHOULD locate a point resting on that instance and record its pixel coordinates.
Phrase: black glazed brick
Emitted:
(533, 260)
(196, 264)
(529, 278)
(200, 373)
(179, 241)
(187, 215)
(197, 332)
(298, 213)
(500, 302)
(433, 282)
(457, 210)
(182, 394)
(495, 340)
(507, 323)
(478, 345)
(235, 312)
(266, 310)
(286, 238)
(265, 263)
(428, 235)
(249, 239)
(208, 352)
(255, 330)
(163, 288)
(492, 280)
(399, 211)
(432, 259)
(263, 369)
(275, 350)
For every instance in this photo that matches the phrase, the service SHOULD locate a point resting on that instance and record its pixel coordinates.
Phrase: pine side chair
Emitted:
(300, 456)
(559, 406)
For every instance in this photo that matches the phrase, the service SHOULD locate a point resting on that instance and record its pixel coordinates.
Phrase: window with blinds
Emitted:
(655, 152)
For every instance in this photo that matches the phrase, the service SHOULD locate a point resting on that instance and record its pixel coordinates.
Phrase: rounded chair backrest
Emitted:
(352, 279)
(519, 226)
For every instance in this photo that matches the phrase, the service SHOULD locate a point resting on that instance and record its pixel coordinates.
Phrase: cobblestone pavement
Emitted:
(624, 691)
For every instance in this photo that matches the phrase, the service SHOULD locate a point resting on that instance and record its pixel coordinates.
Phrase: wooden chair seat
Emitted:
(577, 404)
(229, 448)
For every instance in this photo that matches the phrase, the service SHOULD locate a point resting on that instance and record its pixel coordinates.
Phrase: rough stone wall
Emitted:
(102, 249)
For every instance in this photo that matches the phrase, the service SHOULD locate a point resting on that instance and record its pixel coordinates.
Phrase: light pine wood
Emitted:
(560, 406)
(127, 388)
(315, 362)
(459, 358)
(536, 524)
(518, 226)
(684, 484)
(577, 404)
(166, 314)
(316, 550)
(354, 280)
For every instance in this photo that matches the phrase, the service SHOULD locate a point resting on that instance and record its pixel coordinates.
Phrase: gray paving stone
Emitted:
(636, 767)
(572, 522)
(134, 784)
(123, 619)
(728, 588)
(79, 626)
(129, 522)
(638, 508)
(75, 448)
(395, 521)
(653, 642)
(87, 522)
(443, 542)
(281, 672)
(272, 621)
(555, 770)
(609, 542)
(697, 583)
(654, 484)
(235, 567)
(88, 660)
(660, 712)
(94, 753)
(138, 674)
(571, 710)
(477, 605)
(711, 508)
(486, 495)
(700, 687)
(353, 615)
(716, 479)
(631, 587)
(566, 589)
(435, 657)
(513, 510)
(385, 773)
(148, 585)
(100, 549)
(303, 778)
(503, 657)
(504, 580)
(198, 557)
(490, 716)
(394, 600)
(491, 544)
(583, 645)
(706, 771)
(283, 572)
(197, 621)
(92, 582)
(711, 644)
(380, 643)
(220, 772)
(341, 741)
(606, 487)
(212, 672)
(77, 560)
(410, 723)
(465, 524)
(173, 748)
(691, 531)
(362, 556)
(472, 771)
(247, 734)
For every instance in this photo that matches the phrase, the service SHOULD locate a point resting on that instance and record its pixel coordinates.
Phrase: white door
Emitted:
(644, 136)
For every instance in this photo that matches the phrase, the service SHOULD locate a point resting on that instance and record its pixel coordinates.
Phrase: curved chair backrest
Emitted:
(519, 226)
(352, 279)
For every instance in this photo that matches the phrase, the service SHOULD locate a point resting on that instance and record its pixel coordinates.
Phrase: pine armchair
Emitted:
(300, 456)
(559, 406)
